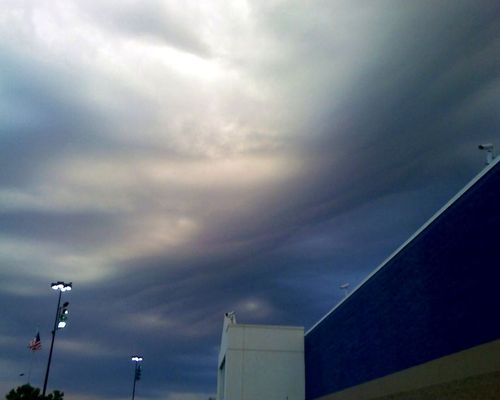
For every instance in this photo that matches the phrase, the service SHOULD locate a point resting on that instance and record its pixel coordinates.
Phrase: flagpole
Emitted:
(31, 365)
(34, 345)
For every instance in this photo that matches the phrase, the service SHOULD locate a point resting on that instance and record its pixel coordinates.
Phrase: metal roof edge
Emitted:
(471, 183)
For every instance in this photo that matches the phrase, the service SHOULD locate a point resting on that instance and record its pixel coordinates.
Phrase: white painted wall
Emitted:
(260, 362)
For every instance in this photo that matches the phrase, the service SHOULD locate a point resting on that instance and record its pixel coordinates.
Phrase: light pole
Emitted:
(137, 372)
(59, 322)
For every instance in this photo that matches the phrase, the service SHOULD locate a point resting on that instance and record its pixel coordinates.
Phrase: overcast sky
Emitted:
(179, 159)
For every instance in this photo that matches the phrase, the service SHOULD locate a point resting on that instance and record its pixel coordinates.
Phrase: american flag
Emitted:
(35, 343)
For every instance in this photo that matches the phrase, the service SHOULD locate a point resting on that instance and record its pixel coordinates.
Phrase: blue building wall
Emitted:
(440, 294)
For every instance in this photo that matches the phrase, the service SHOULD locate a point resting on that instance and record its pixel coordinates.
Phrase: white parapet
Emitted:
(260, 362)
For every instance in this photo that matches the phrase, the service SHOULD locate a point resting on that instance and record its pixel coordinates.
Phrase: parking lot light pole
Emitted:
(61, 287)
(137, 372)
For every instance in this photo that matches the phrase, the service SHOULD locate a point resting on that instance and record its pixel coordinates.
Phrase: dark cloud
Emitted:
(46, 118)
(78, 228)
(332, 133)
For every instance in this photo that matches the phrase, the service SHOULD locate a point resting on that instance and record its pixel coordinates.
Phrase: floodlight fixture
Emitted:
(62, 286)
(61, 324)
(137, 358)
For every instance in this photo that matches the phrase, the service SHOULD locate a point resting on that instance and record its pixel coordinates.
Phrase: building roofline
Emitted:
(265, 326)
(408, 241)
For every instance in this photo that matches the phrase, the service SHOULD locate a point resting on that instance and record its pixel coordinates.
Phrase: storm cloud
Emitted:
(179, 160)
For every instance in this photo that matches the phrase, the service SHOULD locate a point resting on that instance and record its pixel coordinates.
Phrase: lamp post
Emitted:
(137, 372)
(59, 322)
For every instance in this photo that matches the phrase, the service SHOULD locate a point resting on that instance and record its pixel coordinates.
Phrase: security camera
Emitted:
(231, 316)
(490, 152)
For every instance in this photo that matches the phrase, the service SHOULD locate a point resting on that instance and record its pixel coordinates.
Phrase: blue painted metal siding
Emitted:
(440, 294)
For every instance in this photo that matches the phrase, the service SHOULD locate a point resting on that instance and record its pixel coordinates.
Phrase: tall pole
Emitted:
(31, 365)
(51, 345)
(135, 379)
(137, 372)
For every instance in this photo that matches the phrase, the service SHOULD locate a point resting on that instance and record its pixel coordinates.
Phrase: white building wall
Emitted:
(258, 362)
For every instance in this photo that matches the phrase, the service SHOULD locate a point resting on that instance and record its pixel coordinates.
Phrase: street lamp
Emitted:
(59, 322)
(137, 372)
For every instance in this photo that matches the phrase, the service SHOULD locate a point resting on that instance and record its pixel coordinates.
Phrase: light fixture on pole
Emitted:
(63, 315)
(59, 322)
(137, 372)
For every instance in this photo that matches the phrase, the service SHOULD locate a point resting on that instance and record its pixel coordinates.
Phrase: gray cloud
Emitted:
(279, 151)
(161, 21)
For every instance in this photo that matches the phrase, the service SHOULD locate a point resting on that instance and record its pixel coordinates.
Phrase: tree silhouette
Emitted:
(28, 392)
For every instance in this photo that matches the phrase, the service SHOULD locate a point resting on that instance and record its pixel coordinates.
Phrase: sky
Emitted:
(177, 160)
